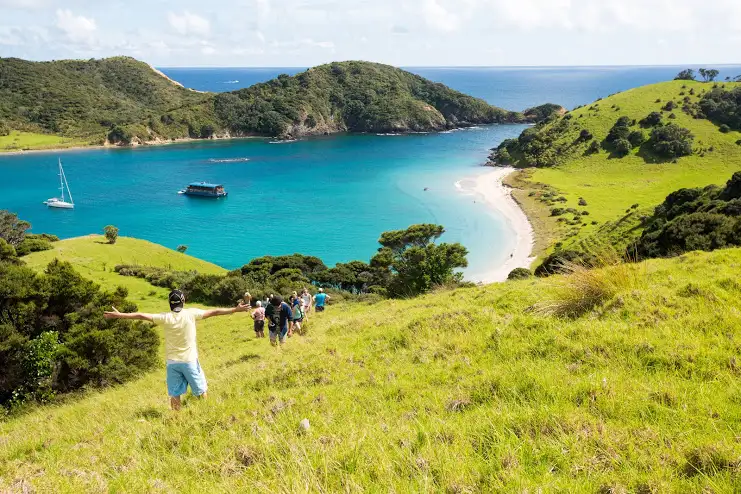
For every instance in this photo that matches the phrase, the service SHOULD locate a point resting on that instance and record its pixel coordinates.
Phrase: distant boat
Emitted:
(61, 203)
(204, 189)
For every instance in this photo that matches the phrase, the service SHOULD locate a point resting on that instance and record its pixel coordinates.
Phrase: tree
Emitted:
(708, 75)
(637, 138)
(182, 248)
(685, 75)
(671, 141)
(414, 236)
(111, 234)
(651, 120)
(12, 230)
(519, 274)
(622, 147)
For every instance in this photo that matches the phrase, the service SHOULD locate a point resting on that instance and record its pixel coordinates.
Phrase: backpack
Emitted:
(274, 317)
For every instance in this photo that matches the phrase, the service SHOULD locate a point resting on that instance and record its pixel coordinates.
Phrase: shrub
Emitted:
(620, 130)
(622, 147)
(33, 244)
(672, 116)
(685, 75)
(111, 234)
(651, 120)
(724, 128)
(636, 138)
(519, 274)
(593, 147)
(582, 201)
(182, 248)
(585, 135)
(557, 211)
(669, 106)
(671, 141)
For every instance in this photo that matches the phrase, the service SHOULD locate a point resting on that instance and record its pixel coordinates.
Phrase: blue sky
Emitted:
(398, 32)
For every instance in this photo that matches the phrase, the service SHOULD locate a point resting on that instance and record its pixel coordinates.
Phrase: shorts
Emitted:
(259, 326)
(274, 334)
(298, 319)
(320, 308)
(182, 374)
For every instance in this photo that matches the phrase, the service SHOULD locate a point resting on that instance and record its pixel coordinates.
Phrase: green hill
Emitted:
(618, 191)
(477, 390)
(123, 101)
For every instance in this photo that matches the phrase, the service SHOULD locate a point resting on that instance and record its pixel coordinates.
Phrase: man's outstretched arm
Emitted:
(139, 316)
(242, 307)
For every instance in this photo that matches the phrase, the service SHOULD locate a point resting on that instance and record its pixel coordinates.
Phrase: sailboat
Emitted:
(56, 202)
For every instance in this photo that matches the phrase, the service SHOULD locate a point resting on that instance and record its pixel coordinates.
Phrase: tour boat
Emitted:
(204, 189)
(61, 202)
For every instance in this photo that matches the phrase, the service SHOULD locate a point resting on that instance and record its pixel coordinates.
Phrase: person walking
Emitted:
(320, 299)
(181, 349)
(278, 314)
(297, 311)
(306, 299)
(258, 315)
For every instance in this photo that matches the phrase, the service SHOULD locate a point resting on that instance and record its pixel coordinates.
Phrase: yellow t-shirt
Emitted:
(180, 334)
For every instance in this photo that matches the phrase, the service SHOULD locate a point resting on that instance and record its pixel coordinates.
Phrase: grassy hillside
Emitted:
(95, 259)
(471, 391)
(124, 101)
(611, 185)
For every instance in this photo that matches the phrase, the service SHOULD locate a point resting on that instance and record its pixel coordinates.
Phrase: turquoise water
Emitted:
(329, 197)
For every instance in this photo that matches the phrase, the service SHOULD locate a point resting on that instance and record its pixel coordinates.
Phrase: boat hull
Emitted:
(56, 203)
(197, 193)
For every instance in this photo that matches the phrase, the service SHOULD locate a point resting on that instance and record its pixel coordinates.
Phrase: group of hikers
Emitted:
(284, 318)
(179, 327)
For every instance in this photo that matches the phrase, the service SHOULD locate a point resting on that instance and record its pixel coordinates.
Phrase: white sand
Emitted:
(488, 187)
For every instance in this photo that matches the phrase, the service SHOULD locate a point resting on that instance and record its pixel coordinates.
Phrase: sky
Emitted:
(300, 33)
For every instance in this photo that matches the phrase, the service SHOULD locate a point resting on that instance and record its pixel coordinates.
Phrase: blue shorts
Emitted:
(182, 374)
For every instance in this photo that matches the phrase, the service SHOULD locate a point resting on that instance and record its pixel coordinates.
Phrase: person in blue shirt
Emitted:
(279, 316)
(320, 299)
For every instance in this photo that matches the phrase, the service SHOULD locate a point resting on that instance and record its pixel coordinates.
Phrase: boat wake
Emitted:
(227, 160)
(285, 141)
(231, 82)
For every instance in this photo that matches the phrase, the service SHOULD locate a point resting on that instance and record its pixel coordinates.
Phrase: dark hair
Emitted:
(276, 300)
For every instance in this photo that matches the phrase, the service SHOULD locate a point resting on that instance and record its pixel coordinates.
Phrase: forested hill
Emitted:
(125, 101)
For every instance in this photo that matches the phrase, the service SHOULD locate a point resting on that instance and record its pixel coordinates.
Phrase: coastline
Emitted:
(490, 189)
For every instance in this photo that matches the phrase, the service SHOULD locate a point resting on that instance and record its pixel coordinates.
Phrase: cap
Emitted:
(177, 300)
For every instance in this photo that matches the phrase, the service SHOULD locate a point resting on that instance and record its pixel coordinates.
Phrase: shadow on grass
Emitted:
(244, 358)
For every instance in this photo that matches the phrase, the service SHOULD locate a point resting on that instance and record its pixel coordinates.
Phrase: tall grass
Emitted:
(582, 288)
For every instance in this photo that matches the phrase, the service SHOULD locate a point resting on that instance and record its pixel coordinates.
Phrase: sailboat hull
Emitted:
(60, 204)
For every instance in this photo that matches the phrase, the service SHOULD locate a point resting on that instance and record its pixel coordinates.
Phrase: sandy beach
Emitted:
(488, 188)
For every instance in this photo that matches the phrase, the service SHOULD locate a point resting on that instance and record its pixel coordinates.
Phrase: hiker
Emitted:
(297, 311)
(258, 315)
(278, 314)
(320, 299)
(306, 299)
(181, 350)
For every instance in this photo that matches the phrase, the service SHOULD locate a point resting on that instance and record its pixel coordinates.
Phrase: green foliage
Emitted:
(651, 120)
(111, 234)
(723, 107)
(12, 230)
(4, 129)
(622, 147)
(7, 252)
(708, 75)
(543, 112)
(520, 274)
(33, 243)
(351, 96)
(694, 219)
(671, 141)
(685, 75)
(593, 147)
(636, 138)
(53, 336)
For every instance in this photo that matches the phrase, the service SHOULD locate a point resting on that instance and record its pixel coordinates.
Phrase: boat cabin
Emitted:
(205, 189)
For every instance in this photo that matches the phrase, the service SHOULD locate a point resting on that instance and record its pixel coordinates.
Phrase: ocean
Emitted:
(331, 197)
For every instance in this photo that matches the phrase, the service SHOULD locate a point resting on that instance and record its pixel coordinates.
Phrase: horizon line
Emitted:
(736, 64)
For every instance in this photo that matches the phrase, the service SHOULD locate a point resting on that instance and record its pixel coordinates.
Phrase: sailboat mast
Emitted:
(61, 181)
(64, 178)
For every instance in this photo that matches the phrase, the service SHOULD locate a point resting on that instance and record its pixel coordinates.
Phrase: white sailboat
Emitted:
(56, 202)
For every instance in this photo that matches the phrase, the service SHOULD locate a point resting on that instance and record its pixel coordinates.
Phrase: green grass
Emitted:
(610, 185)
(95, 259)
(22, 141)
(469, 391)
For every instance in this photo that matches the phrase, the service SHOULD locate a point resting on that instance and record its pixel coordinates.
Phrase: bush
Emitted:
(582, 201)
(53, 337)
(671, 141)
(557, 211)
(724, 128)
(111, 234)
(636, 138)
(620, 130)
(519, 274)
(651, 120)
(33, 244)
(685, 75)
(622, 147)
(593, 148)
(182, 248)
(669, 106)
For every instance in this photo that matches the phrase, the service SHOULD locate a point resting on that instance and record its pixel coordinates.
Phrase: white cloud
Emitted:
(23, 4)
(76, 28)
(189, 24)
(438, 17)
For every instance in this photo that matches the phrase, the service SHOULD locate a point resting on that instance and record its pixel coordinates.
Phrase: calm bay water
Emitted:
(329, 197)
